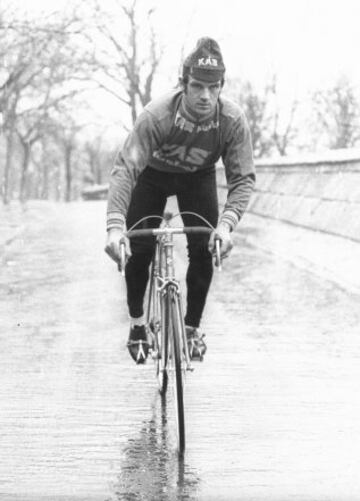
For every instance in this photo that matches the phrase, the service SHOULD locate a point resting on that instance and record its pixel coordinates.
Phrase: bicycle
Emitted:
(164, 309)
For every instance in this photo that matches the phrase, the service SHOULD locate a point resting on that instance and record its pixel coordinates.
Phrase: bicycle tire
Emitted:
(178, 372)
(163, 343)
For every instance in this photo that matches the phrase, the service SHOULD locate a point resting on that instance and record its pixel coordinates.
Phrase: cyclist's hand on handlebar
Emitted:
(223, 232)
(112, 246)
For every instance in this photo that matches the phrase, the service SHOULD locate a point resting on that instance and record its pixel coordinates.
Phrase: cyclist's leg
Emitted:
(148, 198)
(198, 194)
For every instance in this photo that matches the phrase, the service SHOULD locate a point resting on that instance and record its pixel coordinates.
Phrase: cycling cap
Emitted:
(205, 62)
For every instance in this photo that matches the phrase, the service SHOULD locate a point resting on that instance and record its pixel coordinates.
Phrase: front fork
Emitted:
(169, 299)
(182, 331)
(179, 319)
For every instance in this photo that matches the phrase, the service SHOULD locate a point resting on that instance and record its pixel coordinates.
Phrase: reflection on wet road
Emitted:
(150, 469)
(272, 413)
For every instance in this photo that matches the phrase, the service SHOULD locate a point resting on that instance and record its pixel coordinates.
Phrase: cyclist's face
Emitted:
(201, 97)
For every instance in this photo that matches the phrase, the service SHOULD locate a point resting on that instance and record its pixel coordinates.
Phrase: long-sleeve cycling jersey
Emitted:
(166, 138)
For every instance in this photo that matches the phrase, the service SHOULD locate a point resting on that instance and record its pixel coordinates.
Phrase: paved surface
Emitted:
(272, 414)
(11, 223)
(334, 258)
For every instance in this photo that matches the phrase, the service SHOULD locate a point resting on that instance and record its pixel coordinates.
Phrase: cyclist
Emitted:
(172, 150)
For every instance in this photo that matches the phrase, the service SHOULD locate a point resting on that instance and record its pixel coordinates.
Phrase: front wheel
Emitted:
(163, 336)
(178, 372)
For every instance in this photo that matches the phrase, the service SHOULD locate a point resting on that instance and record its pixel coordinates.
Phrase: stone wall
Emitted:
(321, 193)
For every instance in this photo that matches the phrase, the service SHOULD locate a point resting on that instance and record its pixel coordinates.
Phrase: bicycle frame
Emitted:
(163, 283)
(165, 315)
(163, 275)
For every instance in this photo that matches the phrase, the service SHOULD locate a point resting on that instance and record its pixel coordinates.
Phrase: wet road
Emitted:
(272, 414)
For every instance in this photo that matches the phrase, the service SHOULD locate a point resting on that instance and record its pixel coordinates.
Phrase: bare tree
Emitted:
(272, 126)
(42, 62)
(283, 121)
(65, 134)
(14, 75)
(43, 68)
(126, 67)
(46, 182)
(9, 131)
(32, 122)
(337, 112)
(99, 160)
(255, 108)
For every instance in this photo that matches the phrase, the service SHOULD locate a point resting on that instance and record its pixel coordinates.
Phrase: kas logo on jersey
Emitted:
(208, 61)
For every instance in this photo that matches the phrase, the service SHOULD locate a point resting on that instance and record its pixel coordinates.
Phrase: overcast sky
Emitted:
(307, 41)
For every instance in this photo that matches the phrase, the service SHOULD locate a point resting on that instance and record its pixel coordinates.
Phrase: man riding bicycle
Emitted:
(172, 150)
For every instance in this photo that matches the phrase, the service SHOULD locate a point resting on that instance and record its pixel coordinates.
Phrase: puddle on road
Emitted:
(151, 468)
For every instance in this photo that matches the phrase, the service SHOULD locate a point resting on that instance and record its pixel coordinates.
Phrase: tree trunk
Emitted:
(25, 166)
(6, 195)
(45, 181)
(68, 173)
(133, 107)
(98, 174)
(43, 168)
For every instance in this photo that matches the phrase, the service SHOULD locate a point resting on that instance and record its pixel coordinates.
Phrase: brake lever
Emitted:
(218, 252)
(122, 262)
